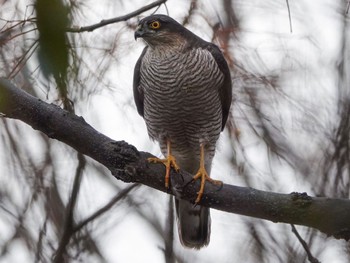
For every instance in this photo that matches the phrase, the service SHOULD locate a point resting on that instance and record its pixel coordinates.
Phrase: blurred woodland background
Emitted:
(289, 128)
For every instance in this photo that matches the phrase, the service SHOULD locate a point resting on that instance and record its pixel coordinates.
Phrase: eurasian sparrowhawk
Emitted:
(182, 88)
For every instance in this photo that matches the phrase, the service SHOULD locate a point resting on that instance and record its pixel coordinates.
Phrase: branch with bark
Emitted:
(126, 163)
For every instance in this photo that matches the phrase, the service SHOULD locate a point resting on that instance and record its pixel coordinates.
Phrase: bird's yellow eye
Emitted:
(155, 25)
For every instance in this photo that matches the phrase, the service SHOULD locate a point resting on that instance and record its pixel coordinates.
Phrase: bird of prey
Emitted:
(182, 89)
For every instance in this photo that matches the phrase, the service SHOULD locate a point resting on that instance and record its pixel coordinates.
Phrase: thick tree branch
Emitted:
(331, 216)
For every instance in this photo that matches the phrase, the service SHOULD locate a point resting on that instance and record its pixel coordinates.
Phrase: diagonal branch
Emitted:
(310, 257)
(126, 163)
(105, 208)
(69, 220)
(116, 19)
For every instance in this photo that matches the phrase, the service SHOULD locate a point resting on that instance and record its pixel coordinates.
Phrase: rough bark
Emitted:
(126, 163)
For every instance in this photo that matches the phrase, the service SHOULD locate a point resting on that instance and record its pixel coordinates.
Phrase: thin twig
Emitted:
(68, 226)
(193, 7)
(104, 209)
(19, 34)
(17, 23)
(23, 59)
(310, 257)
(290, 17)
(116, 19)
(39, 246)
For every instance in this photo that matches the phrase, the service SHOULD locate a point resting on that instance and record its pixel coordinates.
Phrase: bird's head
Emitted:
(160, 30)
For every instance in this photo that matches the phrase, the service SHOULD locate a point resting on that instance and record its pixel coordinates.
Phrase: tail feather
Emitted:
(193, 224)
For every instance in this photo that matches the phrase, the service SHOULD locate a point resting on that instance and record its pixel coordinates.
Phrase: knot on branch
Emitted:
(301, 199)
(124, 155)
(342, 234)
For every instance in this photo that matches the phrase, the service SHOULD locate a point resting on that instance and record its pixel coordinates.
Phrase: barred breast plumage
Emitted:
(181, 100)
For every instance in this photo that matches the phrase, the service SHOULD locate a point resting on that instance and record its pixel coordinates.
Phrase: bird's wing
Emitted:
(138, 92)
(225, 91)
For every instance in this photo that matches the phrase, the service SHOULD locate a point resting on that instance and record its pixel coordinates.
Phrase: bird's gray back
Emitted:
(181, 99)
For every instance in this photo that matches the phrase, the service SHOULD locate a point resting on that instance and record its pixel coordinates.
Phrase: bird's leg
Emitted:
(203, 175)
(169, 162)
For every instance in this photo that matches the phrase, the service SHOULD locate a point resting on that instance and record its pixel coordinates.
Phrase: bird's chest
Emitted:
(179, 77)
(181, 98)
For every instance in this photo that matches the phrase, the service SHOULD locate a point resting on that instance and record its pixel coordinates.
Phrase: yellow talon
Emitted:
(169, 162)
(202, 173)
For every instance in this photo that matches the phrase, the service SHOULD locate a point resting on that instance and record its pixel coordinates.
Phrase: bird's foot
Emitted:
(203, 175)
(169, 162)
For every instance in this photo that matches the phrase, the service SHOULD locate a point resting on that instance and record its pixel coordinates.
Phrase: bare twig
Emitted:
(15, 23)
(116, 19)
(105, 208)
(28, 54)
(290, 17)
(17, 35)
(69, 220)
(39, 247)
(193, 7)
(310, 257)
